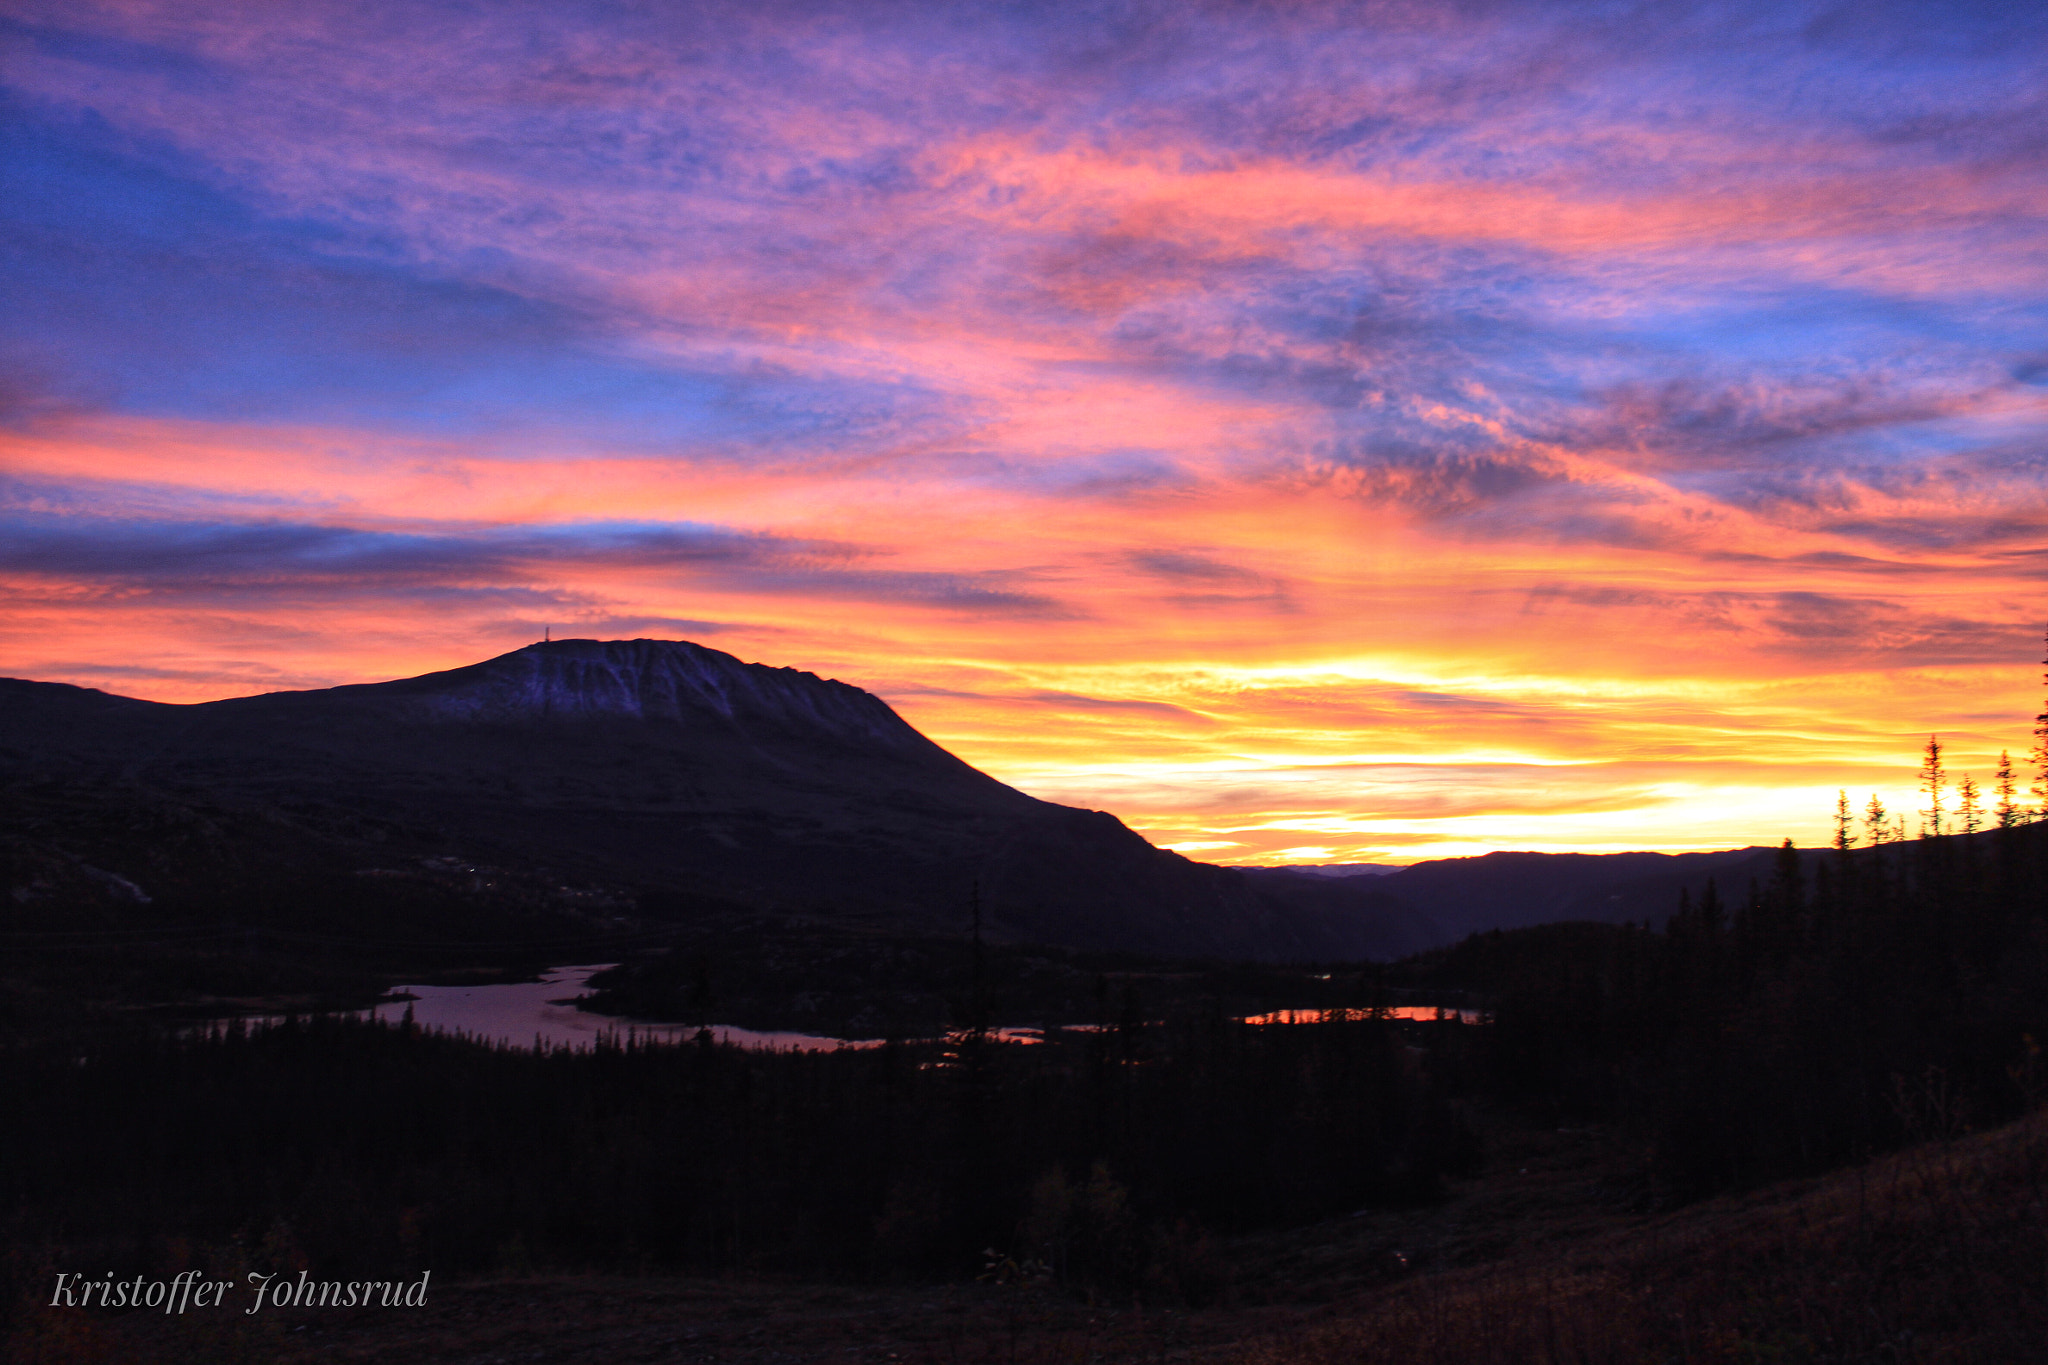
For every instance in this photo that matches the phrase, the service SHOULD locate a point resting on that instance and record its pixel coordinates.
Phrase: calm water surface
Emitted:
(1426, 1013)
(545, 1010)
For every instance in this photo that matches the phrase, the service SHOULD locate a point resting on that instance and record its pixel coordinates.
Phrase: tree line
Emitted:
(1875, 993)
(1106, 1157)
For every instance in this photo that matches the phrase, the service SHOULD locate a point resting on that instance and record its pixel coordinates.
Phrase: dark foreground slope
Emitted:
(1928, 1255)
(600, 780)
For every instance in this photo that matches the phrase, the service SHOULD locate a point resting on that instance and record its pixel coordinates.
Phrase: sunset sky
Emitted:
(1312, 433)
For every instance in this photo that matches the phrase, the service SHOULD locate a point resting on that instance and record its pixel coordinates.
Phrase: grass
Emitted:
(1938, 1253)
(1935, 1254)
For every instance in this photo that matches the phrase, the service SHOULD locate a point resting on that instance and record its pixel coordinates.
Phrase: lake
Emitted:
(522, 1012)
(1422, 1013)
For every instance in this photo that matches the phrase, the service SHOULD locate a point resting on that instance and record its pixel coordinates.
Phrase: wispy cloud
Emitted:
(1033, 362)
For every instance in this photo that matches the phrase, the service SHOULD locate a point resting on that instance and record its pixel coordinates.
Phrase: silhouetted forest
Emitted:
(1894, 995)
(347, 1145)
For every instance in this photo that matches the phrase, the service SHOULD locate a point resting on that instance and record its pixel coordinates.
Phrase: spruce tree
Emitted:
(1832, 893)
(1932, 781)
(2039, 759)
(1969, 814)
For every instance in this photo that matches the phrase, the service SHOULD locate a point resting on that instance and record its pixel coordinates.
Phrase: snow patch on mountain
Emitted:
(657, 680)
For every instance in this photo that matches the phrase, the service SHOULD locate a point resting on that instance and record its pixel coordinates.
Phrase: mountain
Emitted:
(1460, 896)
(608, 780)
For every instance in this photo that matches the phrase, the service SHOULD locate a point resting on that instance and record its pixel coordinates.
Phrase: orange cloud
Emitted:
(1316, 437)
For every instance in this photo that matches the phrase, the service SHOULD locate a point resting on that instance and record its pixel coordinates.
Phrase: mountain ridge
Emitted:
(674, 770)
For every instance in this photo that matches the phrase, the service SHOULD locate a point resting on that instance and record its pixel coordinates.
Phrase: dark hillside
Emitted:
(1513, 890)
(561, 782)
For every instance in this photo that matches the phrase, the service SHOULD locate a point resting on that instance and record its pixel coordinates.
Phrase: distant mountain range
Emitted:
(1460, 896)
(610, 781)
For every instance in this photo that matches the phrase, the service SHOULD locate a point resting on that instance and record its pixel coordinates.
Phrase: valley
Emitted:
(1635, 1053)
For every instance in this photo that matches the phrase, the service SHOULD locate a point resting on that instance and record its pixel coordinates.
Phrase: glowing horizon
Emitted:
(1326, 434)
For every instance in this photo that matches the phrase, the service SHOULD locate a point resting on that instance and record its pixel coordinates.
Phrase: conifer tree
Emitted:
(1712, 917)
(2039, 759)
(2008, 814)
(1830, 892)
(1969, 814)
(1932, 782)
(1785, 925)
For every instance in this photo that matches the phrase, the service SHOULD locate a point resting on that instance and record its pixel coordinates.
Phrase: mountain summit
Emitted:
(651, 680)
(671, 772)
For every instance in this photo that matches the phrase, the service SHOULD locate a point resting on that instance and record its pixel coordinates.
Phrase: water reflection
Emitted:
(529, 1013)
(1424, 1013)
